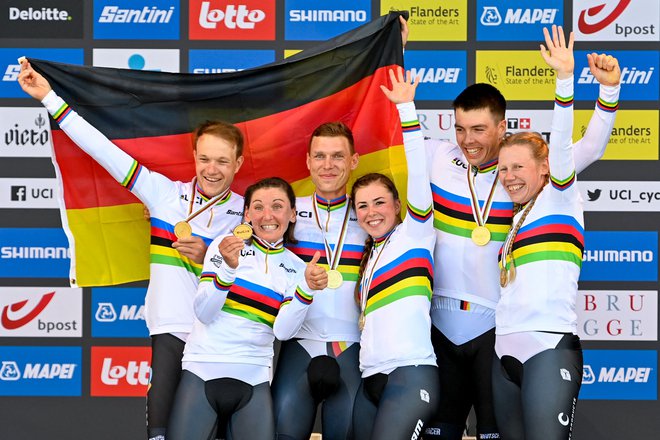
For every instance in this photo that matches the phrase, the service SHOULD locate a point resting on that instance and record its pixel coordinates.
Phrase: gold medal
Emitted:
(182, 229)
(504, 277)
(243, 231)
(335, 280)
(480, 235)
(361, 321)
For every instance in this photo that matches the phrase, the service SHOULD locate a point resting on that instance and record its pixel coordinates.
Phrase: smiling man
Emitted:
(185, 217)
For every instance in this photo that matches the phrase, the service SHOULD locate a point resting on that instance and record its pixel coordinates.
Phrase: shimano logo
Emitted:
(436, 74)
(287, 269)
(34, 252)
(9, 371)
(232, 17)
(623, 256)
(215, 70)
(628, 76)
(114, 14)
(530, 16)
(43, 14)
(323, 15)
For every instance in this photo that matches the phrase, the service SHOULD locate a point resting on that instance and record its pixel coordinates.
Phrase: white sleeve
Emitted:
(562, 165)
(214, 284)
(293, 310)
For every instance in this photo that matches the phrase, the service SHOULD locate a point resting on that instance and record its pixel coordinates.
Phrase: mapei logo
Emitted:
(491, 16)
(232, 20)
(502, 20)
(120, 371)
(620, 375)
(441, 73)
(136, 19)
(118, 312)
(9, 371)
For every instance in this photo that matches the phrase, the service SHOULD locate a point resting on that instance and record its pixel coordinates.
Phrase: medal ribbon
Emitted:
(332, 257)
(365, 283)
(268, 247)
(480, 217)
(507, 248)
(191, 215)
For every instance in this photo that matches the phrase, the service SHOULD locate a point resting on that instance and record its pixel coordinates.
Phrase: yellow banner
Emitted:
(430, 20)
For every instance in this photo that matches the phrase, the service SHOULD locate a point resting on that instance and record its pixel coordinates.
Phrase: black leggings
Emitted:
(465, 380)
(396, 406)
(166, 354)
(301, 383)
(200, 406)
(536, 400)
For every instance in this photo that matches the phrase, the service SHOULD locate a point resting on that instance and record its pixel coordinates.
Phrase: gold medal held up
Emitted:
(335, 280)
(243, 231)
(480, 235)
(182, 229)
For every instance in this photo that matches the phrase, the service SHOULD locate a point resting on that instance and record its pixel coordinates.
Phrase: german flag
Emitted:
(151, 115)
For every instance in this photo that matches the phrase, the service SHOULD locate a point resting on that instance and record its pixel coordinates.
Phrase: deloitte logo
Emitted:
(43, 14)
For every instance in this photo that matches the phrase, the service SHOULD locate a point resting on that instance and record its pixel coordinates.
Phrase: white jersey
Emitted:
(240, 311)
(173, 277)
(398, 277)
(465, 271)
(547, 250)
(334, 314)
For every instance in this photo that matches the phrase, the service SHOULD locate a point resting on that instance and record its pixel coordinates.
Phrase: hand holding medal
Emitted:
(230, 248)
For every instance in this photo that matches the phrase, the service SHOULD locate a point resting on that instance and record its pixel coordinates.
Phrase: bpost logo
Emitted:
(118, 312)
(225, 61)
(158, 60)
(620, 196)
(620, 256)
(616, 20)
(519, 75)
(502, 20)
(9, 87)
(442, 73)
(40, 371)
(28, 193)
(40, 312)
(41, 19)
(136, 19)
(633, 137)
(620, 375)
(639, 76)
(25, 132)
(324, 19)
(618, 315)
(232, 19)
(34, 253)
(430, 20)
(120, 371)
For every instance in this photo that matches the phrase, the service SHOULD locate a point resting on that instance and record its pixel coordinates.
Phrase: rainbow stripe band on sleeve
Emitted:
(564, 102)
(561, 185)
(303, 297)
(605, 106)
(132, 176)
(410, 126)
(418, 214)
(217, 282)
(61, 113)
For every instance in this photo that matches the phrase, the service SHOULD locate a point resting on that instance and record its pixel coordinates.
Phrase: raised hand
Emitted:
(316, 276)
(32, 82)
(191, 247)
(230, 249)
(403, 90)
(559, 53)
(605, 68)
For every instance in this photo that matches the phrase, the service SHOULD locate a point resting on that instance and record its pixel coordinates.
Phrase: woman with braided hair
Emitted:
(537, 369)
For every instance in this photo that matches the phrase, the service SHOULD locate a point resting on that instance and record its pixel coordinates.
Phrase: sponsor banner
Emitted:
(430, 20)
(120, 371)
(620, 196)
(616, 20)
(620, 256)
(634, 135)
(158, 60)
(136, 19)
(639, 75)
(615, 315)
(41, 19)
(28, 193)
(620, 375)
(438, 124)
(24, 132)
(118, 312)
(505, 20)
(224, 61)
(9, 87)
(323, 19)
(34, 253)
(40, 371)
(232, 20)
(521, 75)
(47, 312)
(442, 73)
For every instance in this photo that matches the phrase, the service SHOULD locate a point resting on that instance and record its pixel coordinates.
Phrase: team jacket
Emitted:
(547, 251)
(240, 311)
(173, 277)
(398, 277)
(464, 270)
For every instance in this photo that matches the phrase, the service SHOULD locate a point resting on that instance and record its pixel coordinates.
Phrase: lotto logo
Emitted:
(134, 373)
(232, 20)
(120, 371)
(231, 17)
